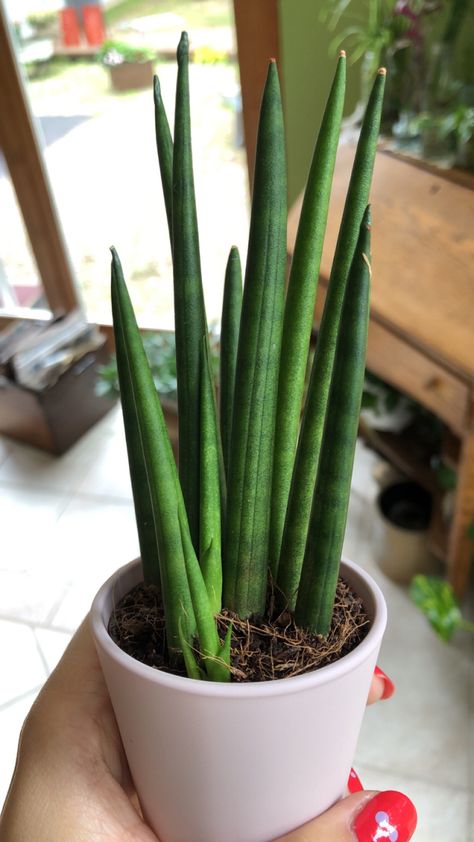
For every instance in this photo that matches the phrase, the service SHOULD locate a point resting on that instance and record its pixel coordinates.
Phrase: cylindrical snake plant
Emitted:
(262, 490)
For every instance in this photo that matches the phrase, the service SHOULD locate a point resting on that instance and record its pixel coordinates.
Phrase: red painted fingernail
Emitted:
(389, 685)
(388, 815)
(354, 784)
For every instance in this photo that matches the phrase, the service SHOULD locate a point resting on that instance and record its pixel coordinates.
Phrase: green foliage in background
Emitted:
(160, 350)
(436, 599)
(370, 33)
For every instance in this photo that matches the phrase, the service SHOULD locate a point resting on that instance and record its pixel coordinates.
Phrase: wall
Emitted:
(307, 71)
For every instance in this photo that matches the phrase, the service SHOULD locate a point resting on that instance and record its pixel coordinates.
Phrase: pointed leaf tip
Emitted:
(183, 47)
(115, 257)
(156, 86)
(367, 218)
(272, 75)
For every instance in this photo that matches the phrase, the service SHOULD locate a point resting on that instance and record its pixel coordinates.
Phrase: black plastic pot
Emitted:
(401, 546)
(406, 505)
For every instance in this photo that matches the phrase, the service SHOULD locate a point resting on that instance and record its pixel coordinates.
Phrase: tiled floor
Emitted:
(68, 523)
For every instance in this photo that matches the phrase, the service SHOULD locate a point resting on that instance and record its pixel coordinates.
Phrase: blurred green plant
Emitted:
(436, 599)
(370, 32)
(446, 477)
(113, 52)
(381, 397)
(43, 22)
(160, 350)
(428, 108)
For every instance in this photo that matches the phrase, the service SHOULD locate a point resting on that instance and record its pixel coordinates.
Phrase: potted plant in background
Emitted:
(265, 654)
(130, 66)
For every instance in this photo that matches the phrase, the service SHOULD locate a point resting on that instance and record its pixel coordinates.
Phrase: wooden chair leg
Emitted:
(461, 545)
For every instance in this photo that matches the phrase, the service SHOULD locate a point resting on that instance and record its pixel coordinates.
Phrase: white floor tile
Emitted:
(22, 666)
(29, 516)
(29, 585)
(75, 606)
(109, 473)
(26, 466)
(11, 721)
(112, 423)
(443, 812)
(30, 595)
(424, 729)
(52, 645)
(92, 538)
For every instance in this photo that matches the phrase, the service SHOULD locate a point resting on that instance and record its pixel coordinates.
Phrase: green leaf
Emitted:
(209, 644)
(256, 382)
(317, 588)
(230, 326)
(299, 307)
(210, 553)
(164, 145)
(156, 490)
(435, 597)
(192, 667)
(312, 428)
(446, 476)
(190, 316)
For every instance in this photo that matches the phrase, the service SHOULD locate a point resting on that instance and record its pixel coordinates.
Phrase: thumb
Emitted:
(362, 817)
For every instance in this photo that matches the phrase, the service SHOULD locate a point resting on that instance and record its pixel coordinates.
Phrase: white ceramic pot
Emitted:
(237, 762)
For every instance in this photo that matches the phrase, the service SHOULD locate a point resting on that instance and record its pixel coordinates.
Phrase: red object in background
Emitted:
(71, 35)
(93, 25)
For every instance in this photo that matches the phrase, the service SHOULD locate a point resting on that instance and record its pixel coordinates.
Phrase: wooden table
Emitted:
(421, 336)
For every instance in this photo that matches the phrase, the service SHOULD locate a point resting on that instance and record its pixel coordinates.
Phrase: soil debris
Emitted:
(261, 650)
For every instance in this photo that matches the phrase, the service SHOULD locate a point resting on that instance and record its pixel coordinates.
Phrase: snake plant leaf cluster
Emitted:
(262, 490)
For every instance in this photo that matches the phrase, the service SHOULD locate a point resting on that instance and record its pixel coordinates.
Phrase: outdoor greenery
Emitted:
(196, 13)
(117, 52)
(261, 496)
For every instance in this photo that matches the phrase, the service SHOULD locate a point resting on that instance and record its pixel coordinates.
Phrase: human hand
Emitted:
(362, 816)
(72, 780)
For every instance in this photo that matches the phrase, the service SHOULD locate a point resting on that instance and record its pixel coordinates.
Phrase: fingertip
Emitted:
(354, 783)
(388, 685)
(377, 690)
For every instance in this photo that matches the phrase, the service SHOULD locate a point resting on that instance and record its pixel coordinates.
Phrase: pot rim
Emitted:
(281, 686)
